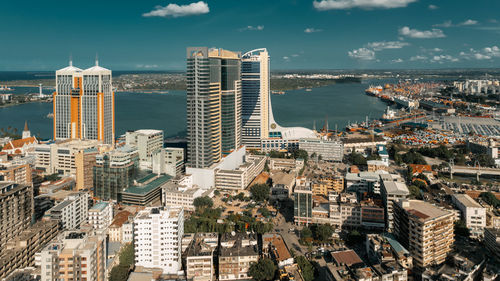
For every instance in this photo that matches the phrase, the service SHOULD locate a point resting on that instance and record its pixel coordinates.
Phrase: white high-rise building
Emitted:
(473, 214)
(158, 235)
(101, 215)
(84, 104)
(147, 143)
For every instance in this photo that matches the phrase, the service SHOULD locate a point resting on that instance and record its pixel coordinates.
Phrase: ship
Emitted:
(308, 90)
(373, 90)
(277, 92)
(392, 116)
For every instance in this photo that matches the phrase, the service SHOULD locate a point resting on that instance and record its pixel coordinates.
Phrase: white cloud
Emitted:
(417, 58)
(443, 59)
(469, 22)
(362, 54)
(436, 50)
(397, 61)
(433, 7)
(324, 5)
(312, 30)
(378, 46)
(175, 11)
(424, 34)
(447, 23)
(486, 53)
(251, 27)
(286, 58)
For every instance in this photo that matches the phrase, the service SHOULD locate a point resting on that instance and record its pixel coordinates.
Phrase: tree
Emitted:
(203, 202)
(260, 192)
(491, 199)
(127, 255)
(308, 270)
(300, 153)
(460, 229)
(324, 232)
(264, 269)
(306, 232)
(357, 158)
(264, 212)
(414, 191)
(119, 273)
(354, 237)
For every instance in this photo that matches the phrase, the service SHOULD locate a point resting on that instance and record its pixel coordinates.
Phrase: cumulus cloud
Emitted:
(251, 27)
(417, 58)
(324, 5)
(362, 54)
(469, 22)
(421, 34)
(486, 53)
(175, 11)
(378, 46)
(443, 59)
(312, 30)
(433, 7)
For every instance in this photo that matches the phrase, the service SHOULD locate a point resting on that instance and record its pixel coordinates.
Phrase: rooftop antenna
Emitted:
(314, 125)
(70, 59)
(96, 59)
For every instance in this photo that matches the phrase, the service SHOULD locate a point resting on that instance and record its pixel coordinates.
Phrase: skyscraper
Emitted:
(213, 104)
(255, 97)
(84, 104)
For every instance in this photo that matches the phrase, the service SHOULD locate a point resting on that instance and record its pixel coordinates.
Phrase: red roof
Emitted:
(20, 143)
(348, 257)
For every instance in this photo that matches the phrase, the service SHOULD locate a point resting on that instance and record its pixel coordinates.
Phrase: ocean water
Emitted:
(339, 103)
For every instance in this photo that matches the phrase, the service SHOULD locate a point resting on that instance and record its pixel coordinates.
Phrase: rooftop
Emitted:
(148, 183)
(467, 201)
(422, 210)
(120, 218)
(348, 257)
(99, 206)
(392, 186)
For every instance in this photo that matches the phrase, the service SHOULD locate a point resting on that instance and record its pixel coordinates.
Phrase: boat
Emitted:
(308, 90)
(373, 90)
(50, 115)
(391, 116)
(277, 92)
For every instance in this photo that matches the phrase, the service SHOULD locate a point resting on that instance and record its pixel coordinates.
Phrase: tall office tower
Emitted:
(425, 230)
(255, 97)
(84, 104)
(158, 235)
(213, 105)
(75, 255)
(16, 207)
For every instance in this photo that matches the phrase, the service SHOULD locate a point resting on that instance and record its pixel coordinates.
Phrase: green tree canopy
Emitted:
(323, 232)
(260, 192)
(264, 269)
(460, 229)
(203, 202)
(308, 270)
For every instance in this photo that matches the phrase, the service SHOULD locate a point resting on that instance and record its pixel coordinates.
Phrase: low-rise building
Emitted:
(75, 255)
(20, 174)
(145, 191)
(473, 214)
(325, 184)
(240, 178)
(274, 246)
(200, 257)
(176, 194)
(117, 231)
(286, 164)
(237, 252)
(72, 212)
(101, 215)
(328, 150)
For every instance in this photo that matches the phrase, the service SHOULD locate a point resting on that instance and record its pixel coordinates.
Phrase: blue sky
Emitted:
(300, 34)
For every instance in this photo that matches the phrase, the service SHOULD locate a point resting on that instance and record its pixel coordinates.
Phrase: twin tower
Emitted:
(84, 104)
(227, 102)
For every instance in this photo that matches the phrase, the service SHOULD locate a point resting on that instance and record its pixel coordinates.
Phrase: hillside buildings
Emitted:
(425, 230)
(158, 234)
(75, 255)
(84, 104)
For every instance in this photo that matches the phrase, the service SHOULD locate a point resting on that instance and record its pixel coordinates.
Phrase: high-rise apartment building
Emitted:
(302, 200)
(16, 207)
(425, 230)
(158, 235)
(255, 97)
(72, 211)
(75, 255)
(101, 215)
(213, 104)
(84, 104)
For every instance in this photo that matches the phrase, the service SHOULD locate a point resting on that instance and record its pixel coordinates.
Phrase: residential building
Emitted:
(147, 143)
(84, 104)
(16, 207)
(72, 212)
(170, 161)
(175, 193)
(392, 189)
(286, 164)
(114, 172)
(385, 248)
(19, 252)
(328, 150)
(200, 257)
(85, 161)
(473, 214)
(237, 252)
(274, 247)
(63, 184)
(376, 165)
(492, 241)
(240, 178)
(18, 173)
(425, 230)
(118, 231)
(323, 185)
(255, 97)
(101, 215)
(213, 105)
(302, 204)
(61, 157)
(75, 255)
(158, 233)
(362, 182)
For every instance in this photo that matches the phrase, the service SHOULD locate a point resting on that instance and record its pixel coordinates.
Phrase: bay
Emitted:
(340, 103)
